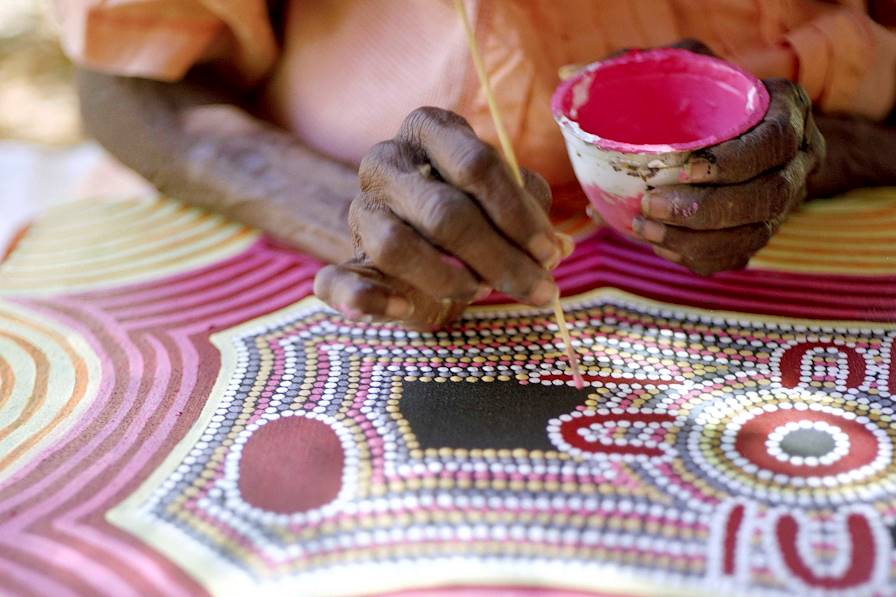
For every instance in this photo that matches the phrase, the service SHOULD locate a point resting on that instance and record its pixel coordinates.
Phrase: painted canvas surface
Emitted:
(178, 415)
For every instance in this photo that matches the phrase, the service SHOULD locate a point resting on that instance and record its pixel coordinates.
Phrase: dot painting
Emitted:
(706, 450)
(179, 418)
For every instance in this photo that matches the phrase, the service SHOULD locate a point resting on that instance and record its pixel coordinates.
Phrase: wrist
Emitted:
(264, 177)
(860, 153)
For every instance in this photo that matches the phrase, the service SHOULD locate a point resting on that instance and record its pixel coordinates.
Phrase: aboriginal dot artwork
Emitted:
(208, 427)
(476, 437)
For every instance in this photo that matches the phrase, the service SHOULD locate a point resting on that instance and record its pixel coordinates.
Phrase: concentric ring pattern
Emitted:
(104, 243)
(48, 377)
(168, 388)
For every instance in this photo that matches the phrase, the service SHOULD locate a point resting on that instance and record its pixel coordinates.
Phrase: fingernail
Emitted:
(667, 254)
(700, 170)
(483, 291)
(594, 215)
(544, 249)
(655, 205)
(543, 293)
(398, 307)
(649, 230)
(567, 245)
(354, 314)
(452, 261)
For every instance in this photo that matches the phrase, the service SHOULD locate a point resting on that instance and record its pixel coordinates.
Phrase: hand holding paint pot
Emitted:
(688, 152)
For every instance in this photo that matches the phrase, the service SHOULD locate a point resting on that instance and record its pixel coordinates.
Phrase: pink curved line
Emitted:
(43, 584)
(148, 448)
(135, 372)
(243, 312)
(260, 251)
(625, 255)
(241, 301)
(660, 291)
(93, 573)
(210, 293)
(173, 287)
(647, 273)
(605, 242)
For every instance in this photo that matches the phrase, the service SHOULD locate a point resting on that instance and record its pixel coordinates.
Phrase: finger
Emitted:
(455, 224)
(705, 265)
(816, 145)
(399, 251)
(362, 293)
(773, 142)
(467, 162)
(715, 207)
(538, 188)
(693, 45)
(708, 251)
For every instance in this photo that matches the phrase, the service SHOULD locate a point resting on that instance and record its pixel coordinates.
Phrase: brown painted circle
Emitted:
(291, 465)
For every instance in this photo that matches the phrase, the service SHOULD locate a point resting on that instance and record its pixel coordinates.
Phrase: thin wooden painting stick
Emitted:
(510, 156)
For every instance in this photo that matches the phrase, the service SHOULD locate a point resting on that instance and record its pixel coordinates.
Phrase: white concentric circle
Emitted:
(838, 440)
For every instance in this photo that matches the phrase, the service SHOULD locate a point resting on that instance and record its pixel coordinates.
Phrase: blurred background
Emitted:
(36, 94)
(45, 158)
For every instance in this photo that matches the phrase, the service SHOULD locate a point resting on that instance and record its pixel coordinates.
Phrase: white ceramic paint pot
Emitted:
(630, 123)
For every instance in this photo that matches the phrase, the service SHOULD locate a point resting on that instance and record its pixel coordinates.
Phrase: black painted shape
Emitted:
(485, 414)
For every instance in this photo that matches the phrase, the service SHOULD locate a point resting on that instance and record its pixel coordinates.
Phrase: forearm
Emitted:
(195, 145)
(860, 153)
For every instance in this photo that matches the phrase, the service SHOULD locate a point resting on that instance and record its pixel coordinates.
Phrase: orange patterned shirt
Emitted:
(342, 74)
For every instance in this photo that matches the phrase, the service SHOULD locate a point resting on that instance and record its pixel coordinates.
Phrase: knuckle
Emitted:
(760, 237)
(516, 276)
(355, 298)
(783, 133)
(355, 220)
(375, 164)
(389, 246)
(780, 191)
(699, 208)
(801, 96)
(447, 215)
(428, 116)
(707, 266)
(417, 119)
(358, 296)
(818, 145)
(447, 283)
(539, 188)
(356, 209)
(699, 264)
(787, 90)
(741, 262)
(476, 162)
(778, 86)
(323, 282)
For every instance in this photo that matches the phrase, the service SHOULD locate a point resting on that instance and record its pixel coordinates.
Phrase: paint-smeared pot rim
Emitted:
(760, 103)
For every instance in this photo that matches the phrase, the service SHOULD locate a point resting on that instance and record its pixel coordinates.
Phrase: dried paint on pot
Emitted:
(631, 122)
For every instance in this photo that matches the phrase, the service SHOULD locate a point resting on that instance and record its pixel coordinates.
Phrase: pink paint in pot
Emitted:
(631, 122)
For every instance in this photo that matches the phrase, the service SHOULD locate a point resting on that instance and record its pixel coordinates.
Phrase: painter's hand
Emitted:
(439, 223)
(738, 192)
